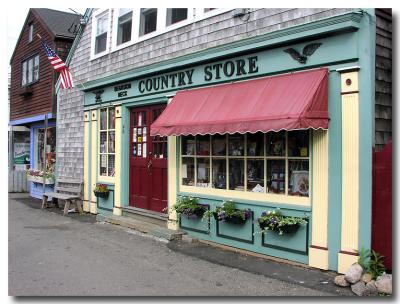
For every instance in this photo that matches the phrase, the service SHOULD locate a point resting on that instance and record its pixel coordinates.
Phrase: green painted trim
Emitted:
(90, 159)
(125, 125)
(249, 202)
(367, 126)
(345, 22)
(334, 170)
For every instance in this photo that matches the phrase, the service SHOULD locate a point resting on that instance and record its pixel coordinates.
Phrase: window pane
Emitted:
(30, 32)
(236, 174)
(24, 70)
(102, 24)
(103, 164)
(36, 68)
(219, 173)
(124, 28)
(103, 119)
(30, 70)
(187, 171)
(275, 143)
(298, 143)
(255, 144)
(203, 172)
(111, 142)
(298, 177)
(111, 165)
(219, 145)
(236, 145)
(103, 142)
(175, 15)
(276, 176)
(255, 175)
(101, 43)
(148, 21)
(188, 145)
(111, 118)
(203, 145)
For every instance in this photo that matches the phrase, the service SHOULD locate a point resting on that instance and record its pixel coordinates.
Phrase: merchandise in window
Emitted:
(101, 33)
(39, 162)
(148, 21)
(30, 70)
(248, 162)
(124, 25)
(107, 142)
(175, 15)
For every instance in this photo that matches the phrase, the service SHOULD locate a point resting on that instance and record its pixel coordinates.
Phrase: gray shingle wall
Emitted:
(203, 34)
(383, 78)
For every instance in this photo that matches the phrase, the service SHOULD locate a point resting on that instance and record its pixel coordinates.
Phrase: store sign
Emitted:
(21, 153)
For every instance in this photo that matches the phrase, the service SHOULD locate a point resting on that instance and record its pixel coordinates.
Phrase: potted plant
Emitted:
(101, 190)
(227, 212)
(275, 221)
(190, 207)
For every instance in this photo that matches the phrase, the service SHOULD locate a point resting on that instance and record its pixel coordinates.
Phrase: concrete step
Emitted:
(143, 226)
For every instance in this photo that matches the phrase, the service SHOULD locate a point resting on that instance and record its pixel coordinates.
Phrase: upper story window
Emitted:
(30, 33)
(206, 10)
(148, 21)
(175, 15)
(30, 70)
(124, 25)
(101, 33)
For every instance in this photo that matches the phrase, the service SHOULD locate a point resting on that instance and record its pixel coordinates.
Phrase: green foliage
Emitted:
(275, 221)
(371, 262)
(376, 266)
(188, 205)
(227, 211)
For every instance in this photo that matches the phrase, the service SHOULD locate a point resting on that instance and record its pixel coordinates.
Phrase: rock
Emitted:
(366, 277)
(341, 281)
(371, 289)
(353, 274)
(359, 288)
(384, 283)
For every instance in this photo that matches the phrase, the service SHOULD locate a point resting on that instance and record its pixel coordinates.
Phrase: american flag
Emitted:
(59, 66)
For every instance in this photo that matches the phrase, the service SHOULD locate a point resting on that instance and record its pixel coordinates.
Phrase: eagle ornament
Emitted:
(308, 50)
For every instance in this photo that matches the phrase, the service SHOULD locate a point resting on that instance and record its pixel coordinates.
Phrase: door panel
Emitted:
(148, 161)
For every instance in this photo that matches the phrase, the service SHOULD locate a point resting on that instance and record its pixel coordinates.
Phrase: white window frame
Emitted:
(105, 178)
(95, 16)
(30, 71)
(200, 14)
(114, 46)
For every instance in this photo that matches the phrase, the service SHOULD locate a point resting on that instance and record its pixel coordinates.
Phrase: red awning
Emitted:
(285, 102)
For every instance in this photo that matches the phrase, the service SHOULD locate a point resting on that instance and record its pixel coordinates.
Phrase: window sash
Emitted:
(148, 25)
(30, 70)
(107, 150)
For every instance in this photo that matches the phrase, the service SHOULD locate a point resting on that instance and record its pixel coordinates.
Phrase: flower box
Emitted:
(102, 194)
(39, 179)
(285, 229)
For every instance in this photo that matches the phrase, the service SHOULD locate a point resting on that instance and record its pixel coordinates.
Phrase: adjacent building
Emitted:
(269, 108)
(32, 91)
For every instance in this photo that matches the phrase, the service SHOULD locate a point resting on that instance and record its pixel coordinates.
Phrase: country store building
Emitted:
(269, 108)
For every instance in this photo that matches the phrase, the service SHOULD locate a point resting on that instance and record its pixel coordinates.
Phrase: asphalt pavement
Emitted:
(53, 255)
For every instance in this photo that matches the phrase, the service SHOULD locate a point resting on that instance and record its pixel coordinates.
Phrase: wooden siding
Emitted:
(200, 35)
(383, 78)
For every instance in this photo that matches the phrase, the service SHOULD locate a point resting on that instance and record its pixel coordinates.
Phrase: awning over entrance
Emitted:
(290, 102)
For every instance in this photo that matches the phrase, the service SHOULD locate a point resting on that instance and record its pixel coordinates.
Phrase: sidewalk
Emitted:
(317, 280)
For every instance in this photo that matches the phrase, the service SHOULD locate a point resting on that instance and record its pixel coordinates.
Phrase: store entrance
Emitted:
(148, 161)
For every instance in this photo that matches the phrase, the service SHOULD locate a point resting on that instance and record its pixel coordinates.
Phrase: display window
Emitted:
(40, 163)
(270, 163)
(107, 142)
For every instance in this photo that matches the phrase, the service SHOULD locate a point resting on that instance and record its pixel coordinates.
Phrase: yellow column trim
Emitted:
(117, 185)
(350, 171)
(93, 161)
(172, 186)
(86, 195)
(318, 256)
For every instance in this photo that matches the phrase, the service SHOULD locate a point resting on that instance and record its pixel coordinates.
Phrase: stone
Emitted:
(371, 289)
(353, 274)
(366, 277)
(341, 281)
(359, 288)
(189, 239)
(384, 283)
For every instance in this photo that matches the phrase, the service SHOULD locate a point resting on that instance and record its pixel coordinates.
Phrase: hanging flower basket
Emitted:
(189, 207)
(101, 190)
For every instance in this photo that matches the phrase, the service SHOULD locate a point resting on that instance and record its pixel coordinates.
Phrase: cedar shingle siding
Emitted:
(383, 78)
(207, 33)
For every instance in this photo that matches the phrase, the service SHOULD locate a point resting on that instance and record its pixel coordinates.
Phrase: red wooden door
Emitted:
(148, 161)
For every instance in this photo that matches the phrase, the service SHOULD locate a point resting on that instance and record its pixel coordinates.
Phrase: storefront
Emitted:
(257, 124)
